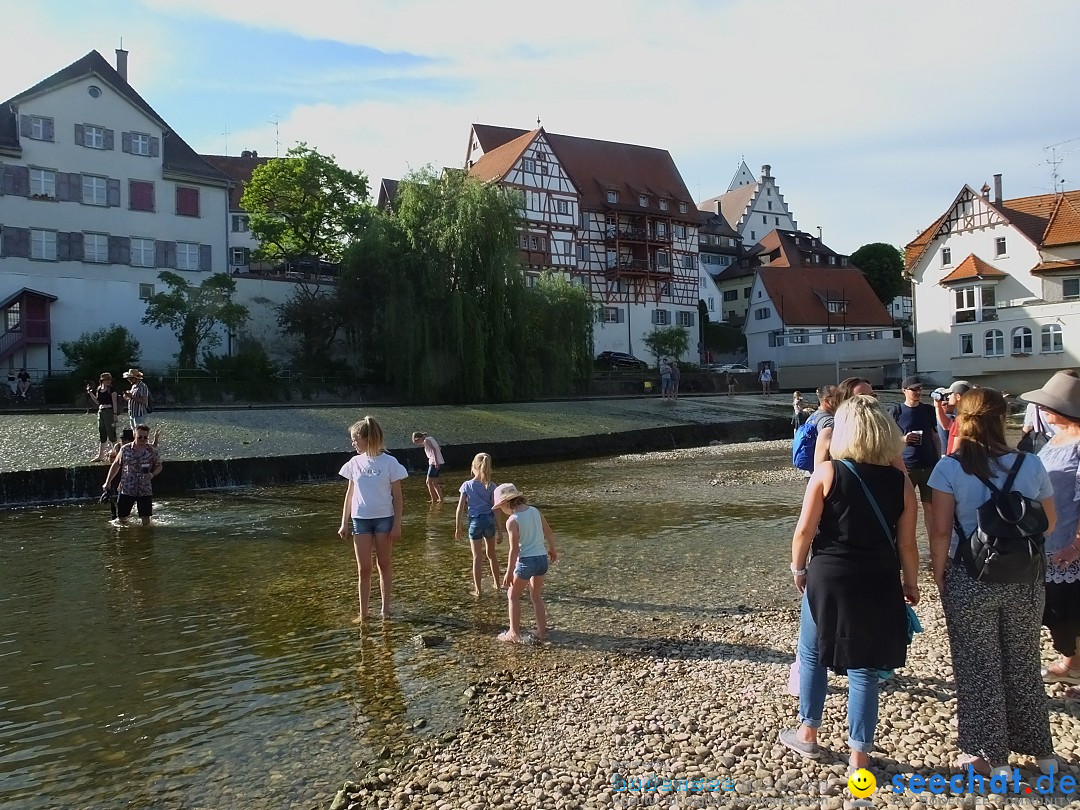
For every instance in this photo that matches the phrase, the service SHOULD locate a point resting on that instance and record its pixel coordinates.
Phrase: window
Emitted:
(746, 292)
(93, 136)
(662, 259)
(832, 260)
(994, 343)
(768, 191)
(777, 220)
(836, 307)
(967, 344)
(711, 304)
(829, 338)
(999, 245)
(530, 165)
(680, 231)
(42, 183)
(237, 256)
(752, 236)
(770, 206)
(95, 190)
(93, 91)
(40, 128)
(989, 304)
(612, 315)
(663, 205)
(682, 208)
(798, 336)
(146, 292)
(1021, 340)
(683, 318)
(140, 195)
(13, 316)
(661, 317)
(642, 200)
(95, 247)
(187, 256)
(761, 313)
(187, 201)
(764, 219)
(1051, 339)
(661, 229)
(239, 223)
(946, 257)
(582, 253)
(142, 252)
(965, 305)
(43, 245)
(1070, 288)
(613, 196)
(731, 295)
(562, 206)
(140, 144)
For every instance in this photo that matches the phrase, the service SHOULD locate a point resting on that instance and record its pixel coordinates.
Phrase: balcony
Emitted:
(637, 267)
(627, 233)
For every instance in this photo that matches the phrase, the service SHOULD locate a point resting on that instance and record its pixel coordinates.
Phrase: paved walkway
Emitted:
(35, 441)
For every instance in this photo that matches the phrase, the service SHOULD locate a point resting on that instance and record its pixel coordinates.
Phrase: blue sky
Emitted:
(872, 115)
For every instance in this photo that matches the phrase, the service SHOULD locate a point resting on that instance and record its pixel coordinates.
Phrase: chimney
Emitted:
(718, 208)
(997, 189)
(254, 154)
(121, 63)
(985, 191)
(765, 170)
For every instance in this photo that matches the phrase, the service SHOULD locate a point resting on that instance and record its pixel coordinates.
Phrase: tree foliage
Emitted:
(667, 341)
(883, 266)
(111, 349)
(194, 313)
(438, 297)
(304, 207)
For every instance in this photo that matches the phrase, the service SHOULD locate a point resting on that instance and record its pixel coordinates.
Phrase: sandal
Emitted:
(1052, 675)
(977, 764)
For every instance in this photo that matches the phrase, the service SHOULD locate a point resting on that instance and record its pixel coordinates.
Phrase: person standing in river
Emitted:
(137, 397)
(107, 402)
(435, 463)
(137, 464)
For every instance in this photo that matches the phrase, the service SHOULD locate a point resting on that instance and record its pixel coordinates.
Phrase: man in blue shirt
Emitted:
(922, 447)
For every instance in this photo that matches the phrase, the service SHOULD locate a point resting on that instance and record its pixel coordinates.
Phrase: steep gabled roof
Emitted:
(733, 204)
(237, 169)
(387, 194)
(791, 247)
(1064, 225)
(973, 268)
(492, 137)
(497, 163)
(176, 155)
(800, 295)
(914, 249)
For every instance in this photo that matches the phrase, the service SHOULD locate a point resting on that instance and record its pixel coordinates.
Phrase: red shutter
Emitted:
(187, 201)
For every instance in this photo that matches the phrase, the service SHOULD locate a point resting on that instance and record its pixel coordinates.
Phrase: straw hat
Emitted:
(133, 374)
(506, 492)
(1060, 394)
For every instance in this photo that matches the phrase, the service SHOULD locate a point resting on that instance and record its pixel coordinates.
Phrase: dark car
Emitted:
(619, 360)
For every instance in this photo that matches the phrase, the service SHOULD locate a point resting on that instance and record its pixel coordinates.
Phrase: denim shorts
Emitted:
(372, 525)
(529, 567)
(432, 471)
(482, 526)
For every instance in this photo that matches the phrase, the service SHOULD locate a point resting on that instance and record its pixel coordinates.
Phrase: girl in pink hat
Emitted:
(532, 547)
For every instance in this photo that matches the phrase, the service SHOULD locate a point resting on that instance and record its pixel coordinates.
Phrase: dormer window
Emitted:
(642, 200)
(663, 205)
(613, 197)
(682, 208)
(836, 307)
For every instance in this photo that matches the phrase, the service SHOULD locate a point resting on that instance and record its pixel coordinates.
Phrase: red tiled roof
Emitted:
(492, 137)
(914, 249)
(799, 296)
(790, 253)
(1050, 267)
(1064, 225)
(972, 267)
(496, 163)
(237, 169)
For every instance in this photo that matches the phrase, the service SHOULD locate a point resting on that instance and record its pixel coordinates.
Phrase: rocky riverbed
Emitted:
(691, 701)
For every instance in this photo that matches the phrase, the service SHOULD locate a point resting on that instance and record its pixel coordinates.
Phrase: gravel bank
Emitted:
(695, 701)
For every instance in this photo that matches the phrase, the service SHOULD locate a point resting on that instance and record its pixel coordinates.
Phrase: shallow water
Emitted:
(213, 658)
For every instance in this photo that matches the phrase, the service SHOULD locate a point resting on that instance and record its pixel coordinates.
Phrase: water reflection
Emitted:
(213, 658)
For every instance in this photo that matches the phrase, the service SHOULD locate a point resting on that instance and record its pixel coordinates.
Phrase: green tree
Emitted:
(667, 341)
(883, 266)
(194, 313)
(305, 210)
(111, 349)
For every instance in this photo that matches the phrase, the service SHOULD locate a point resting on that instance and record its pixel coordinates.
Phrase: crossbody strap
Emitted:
(873, 502)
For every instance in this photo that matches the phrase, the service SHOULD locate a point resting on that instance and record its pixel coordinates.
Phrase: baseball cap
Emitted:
(960, 387)
(911, 382)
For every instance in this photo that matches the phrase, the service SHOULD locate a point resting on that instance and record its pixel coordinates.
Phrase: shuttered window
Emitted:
(142, 252)
(140, 195)
(43, 245)
(95, 247)
(42, 183)
(94, 190)
(187, 256)
(187, 201)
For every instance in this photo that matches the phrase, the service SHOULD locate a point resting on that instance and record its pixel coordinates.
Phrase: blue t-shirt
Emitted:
(971, 493)
(479, 496)
(921, 417)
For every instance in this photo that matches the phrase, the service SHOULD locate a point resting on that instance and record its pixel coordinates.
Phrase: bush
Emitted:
(249, 374)
(113, 349)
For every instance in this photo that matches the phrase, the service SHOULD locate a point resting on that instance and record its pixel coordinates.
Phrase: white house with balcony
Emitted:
(997, 289)
(819, 325)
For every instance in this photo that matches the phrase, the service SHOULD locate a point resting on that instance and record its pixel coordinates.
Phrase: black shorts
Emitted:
(920, 479)
(125, 502)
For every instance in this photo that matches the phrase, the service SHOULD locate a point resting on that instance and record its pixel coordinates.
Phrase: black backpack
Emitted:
(1007, 543)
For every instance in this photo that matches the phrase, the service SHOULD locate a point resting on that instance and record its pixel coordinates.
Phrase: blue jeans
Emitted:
(813, 682)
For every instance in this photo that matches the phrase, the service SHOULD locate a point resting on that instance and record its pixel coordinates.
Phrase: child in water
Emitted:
(532, 546)
(478, 495)
(435, 462)
(371, 513)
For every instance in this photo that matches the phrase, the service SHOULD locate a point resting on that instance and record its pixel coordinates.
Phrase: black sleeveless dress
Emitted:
(853, 578)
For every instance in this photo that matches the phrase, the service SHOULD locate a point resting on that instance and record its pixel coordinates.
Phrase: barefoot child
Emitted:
(478, 495)
(435, 462)
(528, 533)
(371, 513)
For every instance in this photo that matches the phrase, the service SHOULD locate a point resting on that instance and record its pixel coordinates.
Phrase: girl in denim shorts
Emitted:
(477, 494)
(532, 546)
(371, 513)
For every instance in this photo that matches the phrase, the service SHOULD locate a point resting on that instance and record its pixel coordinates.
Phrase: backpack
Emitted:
(802, 448)
(1007, 543)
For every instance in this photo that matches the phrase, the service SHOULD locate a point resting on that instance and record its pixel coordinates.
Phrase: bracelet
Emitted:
(798, 572)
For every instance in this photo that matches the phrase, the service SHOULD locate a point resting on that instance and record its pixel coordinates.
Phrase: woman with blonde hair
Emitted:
(858, 526)
(371, 513)
(994, 627)
(478, 498)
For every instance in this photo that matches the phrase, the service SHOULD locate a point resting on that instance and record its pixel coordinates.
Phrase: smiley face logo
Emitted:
(862, 783)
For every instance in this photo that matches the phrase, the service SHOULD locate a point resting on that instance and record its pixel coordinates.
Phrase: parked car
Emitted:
(723, 368)
(615, 360)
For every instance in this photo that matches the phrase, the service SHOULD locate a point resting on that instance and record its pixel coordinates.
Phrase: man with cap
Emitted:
(137, 397)
(946, 410)
(922, 448)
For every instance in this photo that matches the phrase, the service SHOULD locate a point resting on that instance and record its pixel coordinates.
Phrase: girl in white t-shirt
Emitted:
(371, 513)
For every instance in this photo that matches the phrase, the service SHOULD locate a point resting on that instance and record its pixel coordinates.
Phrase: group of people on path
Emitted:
(371, 515)
(670, 378)
(855, 561)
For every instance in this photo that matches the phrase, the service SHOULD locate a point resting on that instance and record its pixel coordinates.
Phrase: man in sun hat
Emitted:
(946, 410)
(137, 397)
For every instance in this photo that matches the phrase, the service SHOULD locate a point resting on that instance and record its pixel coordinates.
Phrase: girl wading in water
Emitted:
(371, 513)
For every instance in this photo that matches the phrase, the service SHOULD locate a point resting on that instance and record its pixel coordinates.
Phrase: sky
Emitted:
(872, 115)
